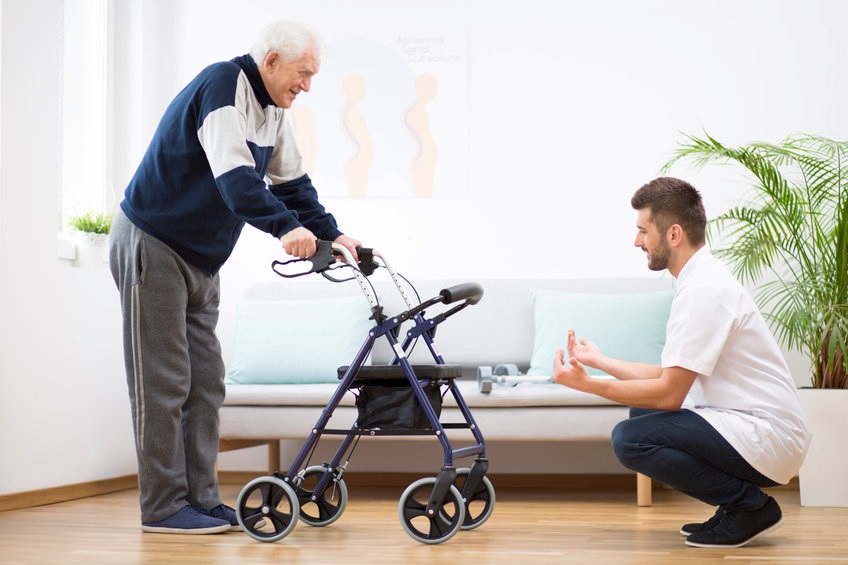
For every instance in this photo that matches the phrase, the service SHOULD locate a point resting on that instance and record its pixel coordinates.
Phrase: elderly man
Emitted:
(222, 155)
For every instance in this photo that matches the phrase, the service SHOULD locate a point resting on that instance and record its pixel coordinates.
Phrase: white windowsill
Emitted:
(67, 252)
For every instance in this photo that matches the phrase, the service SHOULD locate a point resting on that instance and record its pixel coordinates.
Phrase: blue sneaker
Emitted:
(187, 520)
(224, 512)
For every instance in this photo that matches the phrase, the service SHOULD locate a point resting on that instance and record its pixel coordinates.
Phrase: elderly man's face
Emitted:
(284, 81)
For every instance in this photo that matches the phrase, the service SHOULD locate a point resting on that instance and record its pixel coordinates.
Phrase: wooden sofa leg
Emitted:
(273, 456)
(273, 449)
(643, 490)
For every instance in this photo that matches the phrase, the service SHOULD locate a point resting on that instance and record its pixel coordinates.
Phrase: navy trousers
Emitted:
(682, 450)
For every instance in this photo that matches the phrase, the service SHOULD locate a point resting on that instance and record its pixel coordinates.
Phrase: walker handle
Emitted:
(318, 263)
(326, 255)
(472, 292)
(467, 293)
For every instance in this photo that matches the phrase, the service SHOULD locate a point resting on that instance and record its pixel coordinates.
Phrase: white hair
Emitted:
(290, 39)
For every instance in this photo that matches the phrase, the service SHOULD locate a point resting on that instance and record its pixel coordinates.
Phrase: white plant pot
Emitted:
(822, 476)
(91, 249)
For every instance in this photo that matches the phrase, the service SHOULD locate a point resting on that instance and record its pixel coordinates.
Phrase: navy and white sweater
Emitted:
(203, 175)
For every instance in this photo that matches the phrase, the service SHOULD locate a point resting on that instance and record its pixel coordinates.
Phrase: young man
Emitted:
(719, 419)
(223, 155)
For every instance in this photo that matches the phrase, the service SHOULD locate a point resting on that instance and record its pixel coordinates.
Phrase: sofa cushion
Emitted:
(526, 412)
(628, 326)
(523, 395)
(297, 341)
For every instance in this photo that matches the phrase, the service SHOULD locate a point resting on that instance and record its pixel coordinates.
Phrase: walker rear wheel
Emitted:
(430, 525)
(324, 509)
(478, 504)
(269, 498)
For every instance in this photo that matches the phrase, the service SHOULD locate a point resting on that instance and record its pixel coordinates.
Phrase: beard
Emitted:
(658, 256)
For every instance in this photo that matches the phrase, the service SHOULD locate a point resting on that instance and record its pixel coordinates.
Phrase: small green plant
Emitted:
(92, 222)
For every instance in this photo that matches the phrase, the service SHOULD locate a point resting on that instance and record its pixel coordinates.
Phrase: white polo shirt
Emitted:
(744, 388)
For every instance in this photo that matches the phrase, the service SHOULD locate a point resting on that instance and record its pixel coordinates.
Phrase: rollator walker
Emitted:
(397, 399)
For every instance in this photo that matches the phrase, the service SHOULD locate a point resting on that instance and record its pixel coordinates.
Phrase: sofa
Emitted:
(289, 335)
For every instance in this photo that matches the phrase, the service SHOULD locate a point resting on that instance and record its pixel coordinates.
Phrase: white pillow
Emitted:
(297, 341)
(629, 326)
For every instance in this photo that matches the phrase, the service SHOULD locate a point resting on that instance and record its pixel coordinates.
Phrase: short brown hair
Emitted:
(673, 201)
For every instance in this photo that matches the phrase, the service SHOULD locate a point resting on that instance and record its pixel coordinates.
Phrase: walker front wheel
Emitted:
(425, 523)
(479, 504)
(269, 498)
(325, 508)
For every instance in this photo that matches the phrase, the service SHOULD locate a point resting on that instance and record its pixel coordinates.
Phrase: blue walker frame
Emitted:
(355, 376)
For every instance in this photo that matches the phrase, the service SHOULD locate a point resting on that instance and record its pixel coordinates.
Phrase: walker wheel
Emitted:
(430, 525)
(326, 508)
(479, 504)
(269, 498)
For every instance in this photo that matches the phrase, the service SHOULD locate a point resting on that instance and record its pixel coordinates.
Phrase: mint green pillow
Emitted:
(297, 341)
(629, 326)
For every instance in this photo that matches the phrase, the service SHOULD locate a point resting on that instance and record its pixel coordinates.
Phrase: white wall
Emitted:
(63, 401)
(571, 107)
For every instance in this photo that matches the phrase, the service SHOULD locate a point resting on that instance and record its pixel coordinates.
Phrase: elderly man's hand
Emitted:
(350, 243)
(299, 242)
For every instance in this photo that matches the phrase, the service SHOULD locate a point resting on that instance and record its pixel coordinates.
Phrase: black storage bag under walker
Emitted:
(392, 405)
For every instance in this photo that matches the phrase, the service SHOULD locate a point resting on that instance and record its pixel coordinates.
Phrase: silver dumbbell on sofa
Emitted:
(504, 374)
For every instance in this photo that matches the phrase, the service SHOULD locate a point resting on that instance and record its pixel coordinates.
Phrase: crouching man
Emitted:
(719, 419)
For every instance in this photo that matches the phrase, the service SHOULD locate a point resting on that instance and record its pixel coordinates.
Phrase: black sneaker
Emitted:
(736, 528)
(695, 527)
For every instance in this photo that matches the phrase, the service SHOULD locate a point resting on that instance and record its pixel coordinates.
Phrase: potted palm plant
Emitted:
(92, 229)
(790, 238)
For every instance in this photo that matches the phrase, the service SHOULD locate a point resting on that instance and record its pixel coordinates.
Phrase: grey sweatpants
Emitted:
(175, 372)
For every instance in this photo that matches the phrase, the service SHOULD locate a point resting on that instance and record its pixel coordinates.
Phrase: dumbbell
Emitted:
(505, 374)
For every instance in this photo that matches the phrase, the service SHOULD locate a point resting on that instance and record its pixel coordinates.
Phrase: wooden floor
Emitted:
(535, 526)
